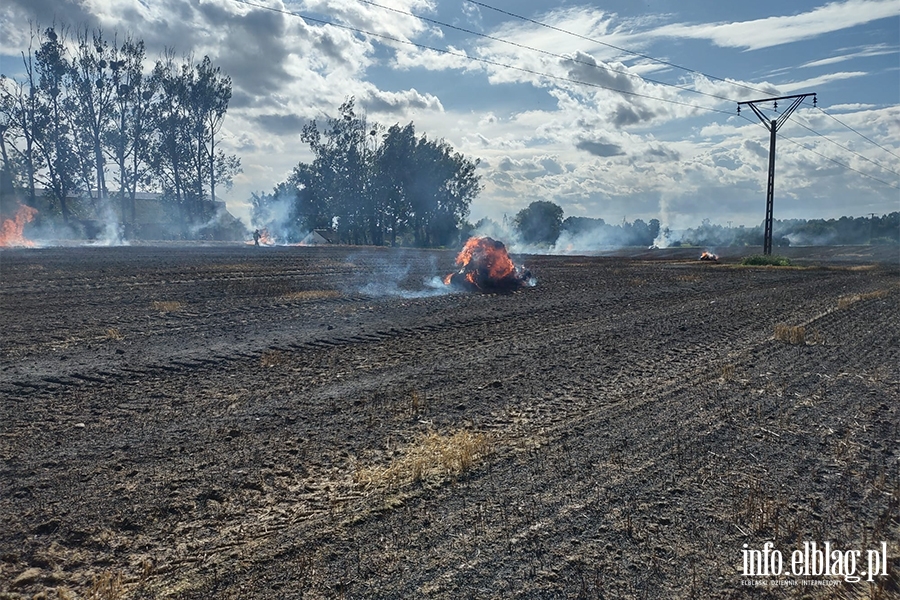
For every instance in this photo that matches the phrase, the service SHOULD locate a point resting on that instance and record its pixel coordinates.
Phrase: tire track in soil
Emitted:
(649, 467)
(452, 352)
(581, 417)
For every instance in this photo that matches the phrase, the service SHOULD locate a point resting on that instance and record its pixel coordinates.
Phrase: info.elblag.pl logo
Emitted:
(816, 560)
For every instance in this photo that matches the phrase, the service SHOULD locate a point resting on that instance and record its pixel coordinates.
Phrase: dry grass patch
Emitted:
(845, 301)
(310, 295)
(166, 305)
(114, 334)
(107, 586)
(727, 372)
(791, 334)
(431, 456)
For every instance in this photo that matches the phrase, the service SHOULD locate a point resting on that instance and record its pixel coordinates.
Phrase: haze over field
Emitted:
(560, 113)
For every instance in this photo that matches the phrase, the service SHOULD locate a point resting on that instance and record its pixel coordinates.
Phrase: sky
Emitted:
(618, 110)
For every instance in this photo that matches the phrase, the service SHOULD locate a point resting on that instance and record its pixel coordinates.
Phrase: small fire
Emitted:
(485, 265)
(262, 237)
(11, 229)
(266, 239)
(708, 256)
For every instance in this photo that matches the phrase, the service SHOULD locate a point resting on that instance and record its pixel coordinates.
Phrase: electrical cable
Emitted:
(477, 59)
(545, 52)
(858, 133)
(566, 79)
(666, 63)
(877, 164)
(890, 185)
(619, 48)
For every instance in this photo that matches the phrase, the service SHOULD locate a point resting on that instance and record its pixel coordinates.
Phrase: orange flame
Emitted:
(266, 239)
(484, 264)
(11, 229)
(488, 255)
(708, 256)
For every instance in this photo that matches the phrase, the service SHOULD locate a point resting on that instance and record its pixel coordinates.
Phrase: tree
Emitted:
(79, 118)
(19, 102)
(209, 92)
(192, 101)
(127, 141)
(393, 179)
(53, 120)
(93, 97)
(340, 174)
(379, 192)
(170, 151)
(540, 222)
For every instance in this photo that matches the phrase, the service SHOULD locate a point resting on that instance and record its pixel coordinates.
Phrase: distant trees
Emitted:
(540, 222)
(375, 186)
(85, 119)
(599, 233)
(845, 231)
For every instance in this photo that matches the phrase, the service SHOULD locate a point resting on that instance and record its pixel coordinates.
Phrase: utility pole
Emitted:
(773, 126)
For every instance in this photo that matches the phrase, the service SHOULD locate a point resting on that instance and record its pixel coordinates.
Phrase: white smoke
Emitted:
(112, 232)
(392, 278)
(277, 217)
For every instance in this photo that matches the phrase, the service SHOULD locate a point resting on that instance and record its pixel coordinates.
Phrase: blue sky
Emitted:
(595, 151)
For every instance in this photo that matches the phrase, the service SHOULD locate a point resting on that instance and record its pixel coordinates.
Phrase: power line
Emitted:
(877, 164)
(476, 58)
(858, 133)
(804, 146)
(598, 66)
(619, 48)
(545, 52)
(890, 185)
(548, 75)
(662, 62)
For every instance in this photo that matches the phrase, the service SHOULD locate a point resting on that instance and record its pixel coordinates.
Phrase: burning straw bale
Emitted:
(485, 265)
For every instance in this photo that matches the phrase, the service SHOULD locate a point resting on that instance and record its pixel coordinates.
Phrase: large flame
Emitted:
(11, 229)
(485, 265)
(707, 255)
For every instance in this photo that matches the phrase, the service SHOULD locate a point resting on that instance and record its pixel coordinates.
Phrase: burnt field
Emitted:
(239, 422)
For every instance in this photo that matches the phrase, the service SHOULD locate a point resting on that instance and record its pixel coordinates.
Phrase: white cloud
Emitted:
(807, 84)
(875, 50)
(777, 30)
(594, 151)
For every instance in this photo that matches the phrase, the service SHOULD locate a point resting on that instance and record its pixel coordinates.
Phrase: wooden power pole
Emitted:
(773, 126)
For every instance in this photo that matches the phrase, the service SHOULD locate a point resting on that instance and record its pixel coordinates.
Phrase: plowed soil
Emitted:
(240, 422)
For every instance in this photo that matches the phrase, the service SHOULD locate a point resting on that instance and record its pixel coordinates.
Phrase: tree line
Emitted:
(373, 185)
(542, 223)
(87, 119)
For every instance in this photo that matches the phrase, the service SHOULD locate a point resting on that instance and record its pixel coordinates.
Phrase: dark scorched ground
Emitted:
(192, 422)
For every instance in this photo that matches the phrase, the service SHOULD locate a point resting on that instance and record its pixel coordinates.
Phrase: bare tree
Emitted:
(127, 141)
(19, 104)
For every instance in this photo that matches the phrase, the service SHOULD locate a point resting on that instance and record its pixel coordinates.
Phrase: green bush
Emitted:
(758, 260)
